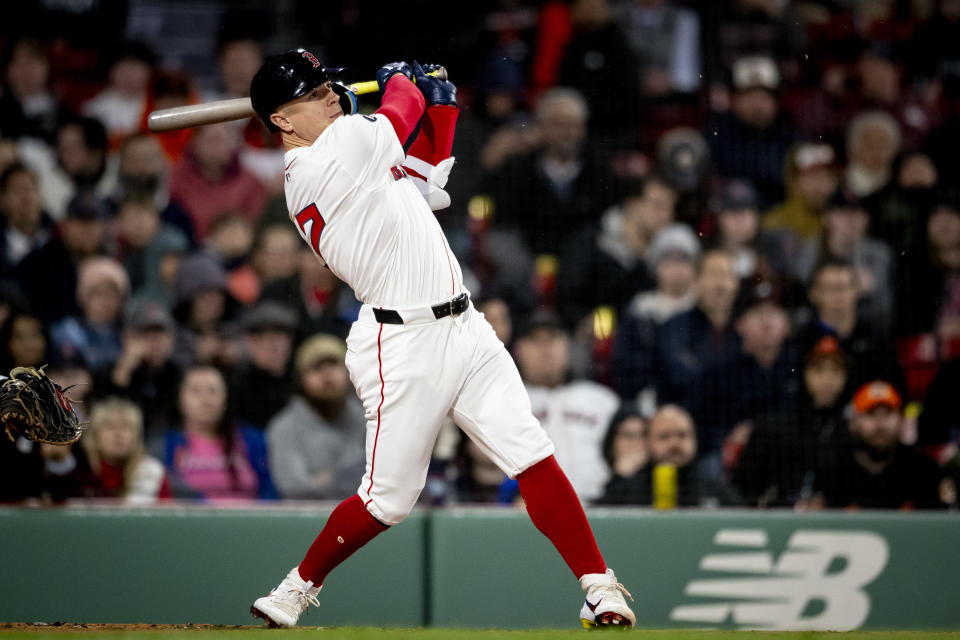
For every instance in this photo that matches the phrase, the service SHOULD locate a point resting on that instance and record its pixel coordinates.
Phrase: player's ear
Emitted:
(280, 121)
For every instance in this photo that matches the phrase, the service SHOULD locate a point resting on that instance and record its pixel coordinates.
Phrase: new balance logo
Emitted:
(817, 583)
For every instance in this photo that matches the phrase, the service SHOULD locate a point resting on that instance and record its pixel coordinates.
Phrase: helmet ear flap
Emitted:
(348, 100)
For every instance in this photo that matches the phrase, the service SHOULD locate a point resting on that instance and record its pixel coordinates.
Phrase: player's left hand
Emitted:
(434, 90)
(391, 69)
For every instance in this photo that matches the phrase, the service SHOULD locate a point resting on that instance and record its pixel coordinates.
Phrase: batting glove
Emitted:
(434, 90)
(391, 69)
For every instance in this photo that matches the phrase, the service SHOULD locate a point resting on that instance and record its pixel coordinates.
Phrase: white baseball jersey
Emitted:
(575, 417)
(364, 217)
(353, 203)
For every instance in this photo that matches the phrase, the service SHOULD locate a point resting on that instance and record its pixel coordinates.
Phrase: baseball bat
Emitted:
(197, 115)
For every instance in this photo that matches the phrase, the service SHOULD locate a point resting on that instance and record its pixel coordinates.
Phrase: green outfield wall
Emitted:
(485, 568)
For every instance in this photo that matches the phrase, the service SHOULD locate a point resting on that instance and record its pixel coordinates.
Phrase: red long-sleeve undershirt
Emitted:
(403, 105)
(435, 141)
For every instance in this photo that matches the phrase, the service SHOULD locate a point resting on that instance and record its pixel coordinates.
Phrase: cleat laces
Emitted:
(296, 600)
(611, 589)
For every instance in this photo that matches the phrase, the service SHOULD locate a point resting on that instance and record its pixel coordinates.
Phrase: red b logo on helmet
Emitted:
(312, 58)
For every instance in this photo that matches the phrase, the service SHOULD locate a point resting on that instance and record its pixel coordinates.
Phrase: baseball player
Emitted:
(418, 351)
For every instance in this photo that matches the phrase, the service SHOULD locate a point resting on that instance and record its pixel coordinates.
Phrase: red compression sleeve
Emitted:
(403, 104)
(435, 141)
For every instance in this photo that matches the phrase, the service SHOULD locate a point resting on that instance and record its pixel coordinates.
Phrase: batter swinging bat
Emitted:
(197, 115)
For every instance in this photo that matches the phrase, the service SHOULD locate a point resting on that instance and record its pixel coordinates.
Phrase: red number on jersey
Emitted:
(312, 213)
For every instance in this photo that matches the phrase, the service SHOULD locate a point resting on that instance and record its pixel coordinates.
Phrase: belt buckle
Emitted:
(450, 305)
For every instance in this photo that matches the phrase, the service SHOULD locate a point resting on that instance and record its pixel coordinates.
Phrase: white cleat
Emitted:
(605, 606)
(285, 604)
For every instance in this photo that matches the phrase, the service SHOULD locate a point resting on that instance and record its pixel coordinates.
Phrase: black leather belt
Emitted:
(454, 307)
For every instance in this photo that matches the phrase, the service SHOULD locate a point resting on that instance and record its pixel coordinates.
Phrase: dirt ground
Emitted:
(78, 626)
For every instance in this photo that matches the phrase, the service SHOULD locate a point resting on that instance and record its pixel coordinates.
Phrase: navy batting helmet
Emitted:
(292, 75)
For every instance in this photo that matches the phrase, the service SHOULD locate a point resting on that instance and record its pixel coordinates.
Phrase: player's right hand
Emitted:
(391, 69)
(434, 90)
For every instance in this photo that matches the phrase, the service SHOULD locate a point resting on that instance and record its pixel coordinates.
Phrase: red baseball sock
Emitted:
(557, 513)
(349, 527)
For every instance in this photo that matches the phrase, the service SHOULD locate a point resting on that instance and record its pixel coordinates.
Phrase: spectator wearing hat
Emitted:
(145, 371)
(737, 225)
(48, 275)
(316, 442)
(673, 258)
(670, 438)
(102, 289)
(786, 445)
(844, 238)
(574, 413)
(606, 264)
(834, 311)
(759, 256)
(204, 312)
(754, 379)
(811, 175)
(876, 471)
(752, 139)
(260, 384)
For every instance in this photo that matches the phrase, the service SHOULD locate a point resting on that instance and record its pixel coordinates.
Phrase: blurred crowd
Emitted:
(720, 239)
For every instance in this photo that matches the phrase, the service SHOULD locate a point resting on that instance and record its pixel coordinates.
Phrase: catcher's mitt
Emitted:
(33, 405)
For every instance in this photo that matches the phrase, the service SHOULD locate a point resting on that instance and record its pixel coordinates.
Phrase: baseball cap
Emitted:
(540, 319)
(759, 291)
(86, 206)
(270, 316)
(147, 314)
(751, 72)
(875, 394)
(318, 348)
(826, 348)
(735, 195)
(812, 155)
